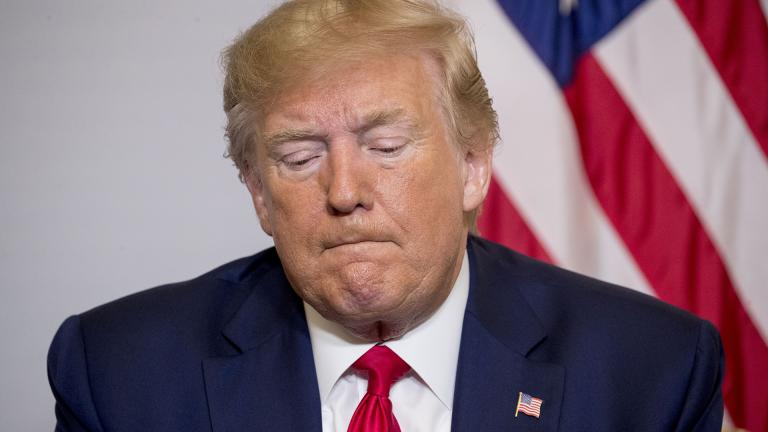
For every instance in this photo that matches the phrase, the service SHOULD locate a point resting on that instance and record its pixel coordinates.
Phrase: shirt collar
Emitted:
(431, 349)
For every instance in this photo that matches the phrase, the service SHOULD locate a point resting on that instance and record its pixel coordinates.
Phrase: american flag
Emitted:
(529, 405)
(635, 150)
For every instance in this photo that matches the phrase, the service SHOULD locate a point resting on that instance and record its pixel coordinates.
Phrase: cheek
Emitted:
(294, 214)
(426, 199)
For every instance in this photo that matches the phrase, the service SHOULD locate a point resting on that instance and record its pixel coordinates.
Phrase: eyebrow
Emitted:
(288, 135)
(384, 118)
(370, 121)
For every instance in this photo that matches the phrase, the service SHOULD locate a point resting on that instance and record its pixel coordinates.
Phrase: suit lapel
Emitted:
(273, 371)
(271, 384)
(500, 331)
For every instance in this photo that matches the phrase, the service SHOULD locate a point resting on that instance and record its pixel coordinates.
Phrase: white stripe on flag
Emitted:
(764, 3)
(661, 70)
(539, 162)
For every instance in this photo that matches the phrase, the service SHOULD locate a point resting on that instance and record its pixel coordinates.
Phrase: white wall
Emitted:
(111, 171)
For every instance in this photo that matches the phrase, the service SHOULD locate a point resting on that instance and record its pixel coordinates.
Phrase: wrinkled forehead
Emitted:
(385, 87)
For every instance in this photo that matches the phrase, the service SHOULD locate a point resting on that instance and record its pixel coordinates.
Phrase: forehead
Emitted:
(345, 93)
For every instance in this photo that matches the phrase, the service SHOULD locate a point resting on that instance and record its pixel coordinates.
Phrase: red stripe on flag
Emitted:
(734, 34)
(666, 238)
(501, 222)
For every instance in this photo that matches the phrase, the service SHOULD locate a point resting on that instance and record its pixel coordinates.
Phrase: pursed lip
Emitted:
(340, 244)
(353, 239)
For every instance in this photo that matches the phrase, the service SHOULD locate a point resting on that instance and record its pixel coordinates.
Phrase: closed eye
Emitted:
(389, 147)
(300, 160)
(389, 150)
(299, 163)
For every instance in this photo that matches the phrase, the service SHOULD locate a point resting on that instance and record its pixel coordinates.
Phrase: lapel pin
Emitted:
(528, 405)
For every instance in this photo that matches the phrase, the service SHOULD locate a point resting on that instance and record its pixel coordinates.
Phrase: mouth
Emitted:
(355, 238)
(356, 244)
(359, 246)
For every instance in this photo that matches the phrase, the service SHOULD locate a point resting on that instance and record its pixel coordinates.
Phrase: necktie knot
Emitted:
(384, 367)
(374, 413)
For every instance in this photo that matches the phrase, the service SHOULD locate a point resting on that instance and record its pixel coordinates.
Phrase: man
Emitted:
(364, 132)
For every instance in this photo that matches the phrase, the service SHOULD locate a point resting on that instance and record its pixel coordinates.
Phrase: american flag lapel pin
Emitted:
(528, 405)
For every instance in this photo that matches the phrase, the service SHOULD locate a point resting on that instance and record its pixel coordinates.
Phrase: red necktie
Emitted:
(374, 413)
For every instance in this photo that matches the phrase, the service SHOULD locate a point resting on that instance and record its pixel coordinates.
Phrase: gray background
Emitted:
(112, 178)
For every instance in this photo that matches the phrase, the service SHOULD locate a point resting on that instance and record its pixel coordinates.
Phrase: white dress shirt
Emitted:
(422, 400)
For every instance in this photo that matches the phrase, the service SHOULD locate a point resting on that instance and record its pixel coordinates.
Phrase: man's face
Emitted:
(358, 182)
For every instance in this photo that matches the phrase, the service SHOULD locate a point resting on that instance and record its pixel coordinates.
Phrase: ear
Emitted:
(256, 189)
(477, 177)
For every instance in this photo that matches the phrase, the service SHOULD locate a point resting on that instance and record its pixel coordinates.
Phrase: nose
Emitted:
(349, 181)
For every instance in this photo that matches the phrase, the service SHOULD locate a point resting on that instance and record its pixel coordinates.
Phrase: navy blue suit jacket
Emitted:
(230, 351)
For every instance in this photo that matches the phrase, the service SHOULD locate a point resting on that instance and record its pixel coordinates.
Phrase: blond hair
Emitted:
(302, 38)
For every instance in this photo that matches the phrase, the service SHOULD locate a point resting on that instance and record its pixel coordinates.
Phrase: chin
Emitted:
(379, 331)
(375, 322)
